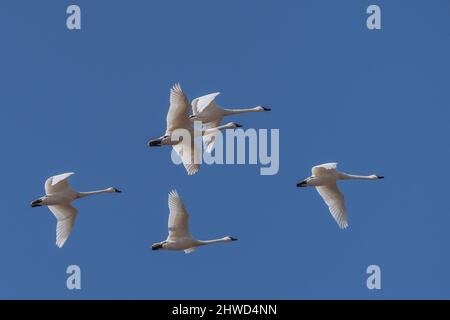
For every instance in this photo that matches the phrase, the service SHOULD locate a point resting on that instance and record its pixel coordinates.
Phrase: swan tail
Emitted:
(190, 250)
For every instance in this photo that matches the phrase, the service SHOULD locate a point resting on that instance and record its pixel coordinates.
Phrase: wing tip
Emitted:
(343, 225)
(65, 176)
(177, 88)
(192, 169)
(60, 244)
(173, 193)
(193, 172)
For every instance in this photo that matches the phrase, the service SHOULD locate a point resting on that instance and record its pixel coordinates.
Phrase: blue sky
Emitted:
(88, 101)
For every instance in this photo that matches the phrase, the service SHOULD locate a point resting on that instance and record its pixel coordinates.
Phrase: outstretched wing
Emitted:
(206, 104)
(203, 103)
(209, 138)
(65, 216)
(335, 202)
(189, 154)
(178, 114)
(324, 169)
(178, 218)
(58, 183)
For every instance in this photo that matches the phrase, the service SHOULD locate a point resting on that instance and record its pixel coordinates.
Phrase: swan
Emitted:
(58, 197)
(179, 237)
(178, 118)
(324, 178)
(206, 110)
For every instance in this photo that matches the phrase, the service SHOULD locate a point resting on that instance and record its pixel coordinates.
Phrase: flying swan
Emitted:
(206, 110)
(324, 178)
(58, 197)
(179, 237)
(178, 118)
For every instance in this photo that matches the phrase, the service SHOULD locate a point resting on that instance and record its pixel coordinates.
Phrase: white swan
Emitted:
(324, 178)
(206, 110)
(58, 198)
(179, 237)
(178, 118)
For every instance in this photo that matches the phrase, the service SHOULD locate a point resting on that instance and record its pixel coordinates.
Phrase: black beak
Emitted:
(267, 109)
(155, 143)
(302, 184)
(238, 125)
(380, 177)
(117, 190)
(36, 203)
(157, 246)
(233, 239)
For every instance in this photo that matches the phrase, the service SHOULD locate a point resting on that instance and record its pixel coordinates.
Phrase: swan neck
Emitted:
(206, 242)
(91, 193)
(345, 176)
(212, 130)
(237, 111)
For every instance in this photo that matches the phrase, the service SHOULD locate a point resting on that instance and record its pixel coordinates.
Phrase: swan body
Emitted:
(178, 118)
(206, 110)
(324, 177)
(58, 197)
(179, 237)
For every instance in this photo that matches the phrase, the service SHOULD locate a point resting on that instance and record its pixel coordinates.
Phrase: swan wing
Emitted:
(178, 114)
(200, 104)
(65, 216)
(335, 201)
(209, 138)
(189, 154)
(324, 169)
(178, 218)
(58, 183)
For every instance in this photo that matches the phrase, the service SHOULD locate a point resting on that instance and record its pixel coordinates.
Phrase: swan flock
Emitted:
(180, 132)
(59, 195)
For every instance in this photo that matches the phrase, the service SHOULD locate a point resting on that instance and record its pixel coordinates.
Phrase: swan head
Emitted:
(113, 190)
(375, 177)
(194, 117)
(230, 238)
(262, 109)
(159, 141)
(38, 202)
(304, 183)
(158, 246)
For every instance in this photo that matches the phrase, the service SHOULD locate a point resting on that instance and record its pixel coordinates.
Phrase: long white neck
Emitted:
(345, 176)
(90, 193)
(212, 130)
(228, 112)
(206, 242)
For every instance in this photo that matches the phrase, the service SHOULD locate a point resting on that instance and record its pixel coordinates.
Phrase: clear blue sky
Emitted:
(88, 101)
